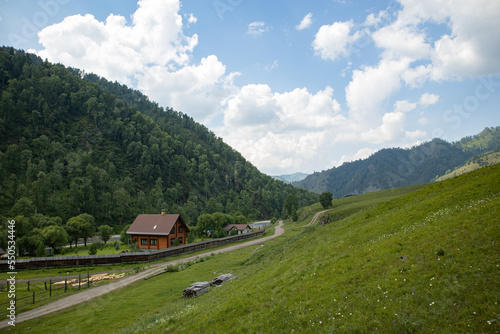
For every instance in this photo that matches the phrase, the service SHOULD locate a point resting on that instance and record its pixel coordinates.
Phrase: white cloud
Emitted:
(254, 105)
(471, 47)
(257, 28)
(370, 86)
(117, 50)
(392, 128)
(151, 53)
(401, 41)
(335, 40)
(423, 121)
(404, 106)
(414, 135)
(192, 19)
(361, 154)
(428, 99)
(417, 76)
(196, 89)
(282, 130)
(271, 67)
(305, 23)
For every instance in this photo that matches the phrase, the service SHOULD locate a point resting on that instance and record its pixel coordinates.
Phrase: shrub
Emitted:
(99, 244)
(93, 249)
(117, 245)
(134, 247)
(40, 250)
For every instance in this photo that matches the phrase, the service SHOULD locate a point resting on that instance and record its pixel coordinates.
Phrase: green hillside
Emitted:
(473, 164)
(74, 143)
(423, 262)
(396, 167)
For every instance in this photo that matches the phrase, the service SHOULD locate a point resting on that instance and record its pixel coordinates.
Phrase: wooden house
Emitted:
(158, 231)
(239, 228)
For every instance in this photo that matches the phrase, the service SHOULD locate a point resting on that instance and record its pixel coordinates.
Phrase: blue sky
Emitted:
(292, 85)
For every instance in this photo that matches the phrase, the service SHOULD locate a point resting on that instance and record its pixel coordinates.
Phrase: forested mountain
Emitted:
(396, 167)
(73, 143)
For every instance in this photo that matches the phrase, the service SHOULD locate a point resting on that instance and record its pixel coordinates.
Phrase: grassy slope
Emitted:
(490, 159)
(426, 261)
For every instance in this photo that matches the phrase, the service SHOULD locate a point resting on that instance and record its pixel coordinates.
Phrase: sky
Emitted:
(294, 86)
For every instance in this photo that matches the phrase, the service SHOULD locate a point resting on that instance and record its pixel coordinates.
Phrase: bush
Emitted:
(117, 245)
(40, 250)
(172, 268)
(134, 247)
(99, 244)
(93, 249)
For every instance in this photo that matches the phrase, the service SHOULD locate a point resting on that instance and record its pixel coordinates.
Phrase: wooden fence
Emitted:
(90, 260)
(39, 291)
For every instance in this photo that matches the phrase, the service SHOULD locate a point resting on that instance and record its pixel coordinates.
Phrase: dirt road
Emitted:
(89, 294)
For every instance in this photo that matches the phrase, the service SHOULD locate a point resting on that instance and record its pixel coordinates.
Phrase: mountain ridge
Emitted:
(397, 167)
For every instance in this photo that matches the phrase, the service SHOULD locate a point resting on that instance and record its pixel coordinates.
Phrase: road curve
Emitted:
(89, 294)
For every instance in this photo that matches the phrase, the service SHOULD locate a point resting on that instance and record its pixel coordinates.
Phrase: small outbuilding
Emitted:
(239, 228)
(158, 231)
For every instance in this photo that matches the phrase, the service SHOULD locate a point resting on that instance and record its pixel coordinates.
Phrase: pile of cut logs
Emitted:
(199, 288)
(93, 278)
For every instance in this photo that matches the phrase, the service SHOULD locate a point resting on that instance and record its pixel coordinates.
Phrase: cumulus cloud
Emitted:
(117, 50)
(402, 41)
(257, 28)
(274, 125)
(371, 85)
(192, 19)
(151, 53)
(428, 99)
(305, 23)
(470, 48)
(335, 40)
(404, 106)
(361, 154)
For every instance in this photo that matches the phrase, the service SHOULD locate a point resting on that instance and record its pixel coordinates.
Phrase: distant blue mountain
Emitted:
(290, 178)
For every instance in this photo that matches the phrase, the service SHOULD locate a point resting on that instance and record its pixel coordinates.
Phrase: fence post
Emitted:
(88, 279)
(50, 288)
(28, 286)
(33, 297)
(79, 281)
(65, 285)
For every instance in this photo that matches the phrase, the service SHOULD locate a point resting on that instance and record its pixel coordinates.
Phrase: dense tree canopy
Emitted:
(74, 143)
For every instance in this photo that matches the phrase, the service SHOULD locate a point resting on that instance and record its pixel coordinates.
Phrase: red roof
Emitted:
(238, 227)
(155, 224)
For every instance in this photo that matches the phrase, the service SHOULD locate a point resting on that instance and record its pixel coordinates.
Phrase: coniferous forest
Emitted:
(73, 144)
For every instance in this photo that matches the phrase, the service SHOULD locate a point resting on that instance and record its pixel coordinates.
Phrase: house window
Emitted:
(152, 242)
(172, 231)
(180, 240)
(144, 242)
(134, 240)
(172, 241)
(180, 228)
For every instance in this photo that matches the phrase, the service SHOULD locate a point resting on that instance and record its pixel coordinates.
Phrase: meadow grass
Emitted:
(427, 261)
